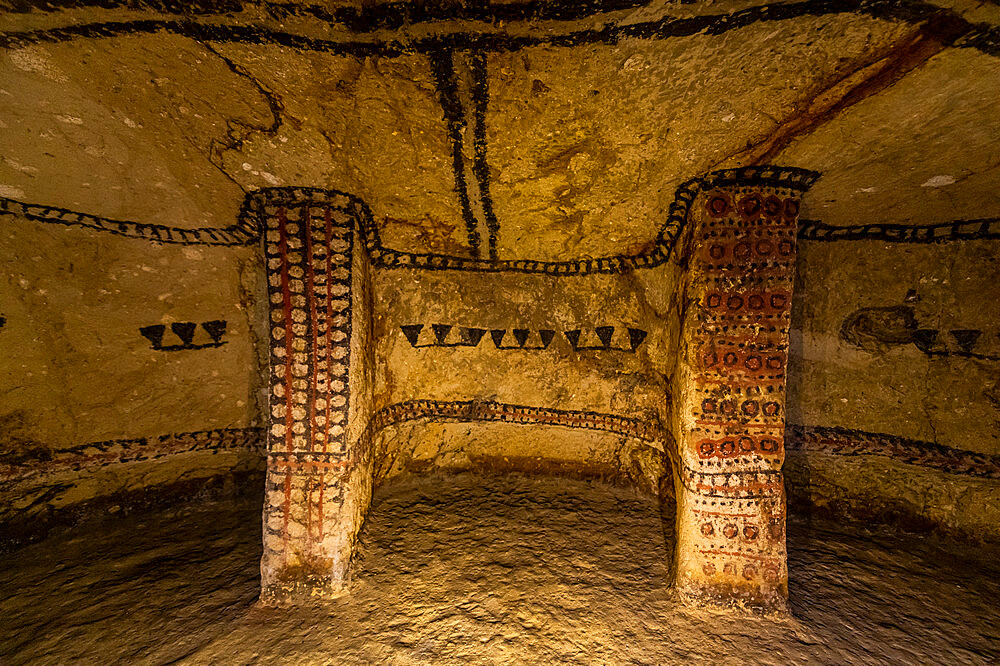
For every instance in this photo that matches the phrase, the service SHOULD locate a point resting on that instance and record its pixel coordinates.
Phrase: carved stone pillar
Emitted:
(729, 410)
(319, 376)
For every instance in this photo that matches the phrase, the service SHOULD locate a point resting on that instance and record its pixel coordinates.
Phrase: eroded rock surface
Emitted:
(474, 569)
(520, 165)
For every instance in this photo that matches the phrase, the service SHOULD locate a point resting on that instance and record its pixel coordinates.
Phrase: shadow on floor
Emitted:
(473, 569)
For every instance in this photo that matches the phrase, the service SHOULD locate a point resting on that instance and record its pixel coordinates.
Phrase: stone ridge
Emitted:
(849, 442)
(119, 451)
(476, 410)
(820, 439)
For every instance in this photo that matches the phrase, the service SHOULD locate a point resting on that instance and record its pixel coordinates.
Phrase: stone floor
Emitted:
(487, 570)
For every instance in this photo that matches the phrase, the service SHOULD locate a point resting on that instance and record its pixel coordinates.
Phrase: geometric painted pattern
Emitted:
(183, 333)
(308, 249)
(600, 338)
(256, 205)
(832, 441)
(470, 411)
(732, 442)
(731, 402)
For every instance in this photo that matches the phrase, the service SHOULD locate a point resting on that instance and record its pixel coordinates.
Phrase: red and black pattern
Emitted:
(468, 411)
(308, 248)
(733, 409)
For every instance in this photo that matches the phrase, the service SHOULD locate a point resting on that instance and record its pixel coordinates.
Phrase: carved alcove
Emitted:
(312, 252)
(725, 253)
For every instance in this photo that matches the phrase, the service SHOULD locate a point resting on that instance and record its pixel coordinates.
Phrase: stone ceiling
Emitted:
(542, 130)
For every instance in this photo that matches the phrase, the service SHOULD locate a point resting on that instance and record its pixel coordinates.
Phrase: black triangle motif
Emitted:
(635, 337)
(441, 332)
(184, 330)
(521, 335)
(215, 328)
(154, 334)
(573, 337)
(546, 335)
(412, 332)
(472, 336)
(605, 333)
(497, 335)
(966, 338)
(924, 338)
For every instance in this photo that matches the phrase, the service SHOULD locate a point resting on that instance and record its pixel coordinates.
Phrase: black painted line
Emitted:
(488, 410)
(387, 16)
(207, 345)
(964, 354)
(849, 442)
(176, 7)
(443, 67)
(481, 168)
(959, 230)
(130, 449)
(464, 77)
(984, 37)
(248, 229)
(226, 236)
(830, 440)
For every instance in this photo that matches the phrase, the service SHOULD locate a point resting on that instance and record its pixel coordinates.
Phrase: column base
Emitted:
(763, 601)
(308, 546)
(295, 586)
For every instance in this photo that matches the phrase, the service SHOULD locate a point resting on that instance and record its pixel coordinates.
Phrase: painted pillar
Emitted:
(318, 467)
(729, 416)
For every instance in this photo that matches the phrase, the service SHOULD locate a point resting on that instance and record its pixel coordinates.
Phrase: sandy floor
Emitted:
(474, 570)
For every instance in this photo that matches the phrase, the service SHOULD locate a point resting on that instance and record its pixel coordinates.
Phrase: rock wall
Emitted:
(518, 176)
(894, 376)
(916, 439)
(733, 229)
(129, 367)
(587, 354)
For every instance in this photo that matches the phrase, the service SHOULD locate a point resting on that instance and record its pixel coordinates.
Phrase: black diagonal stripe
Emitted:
(443, 66)
(481, 168)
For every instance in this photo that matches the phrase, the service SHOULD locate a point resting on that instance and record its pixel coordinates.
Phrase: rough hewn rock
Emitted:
(522, 183)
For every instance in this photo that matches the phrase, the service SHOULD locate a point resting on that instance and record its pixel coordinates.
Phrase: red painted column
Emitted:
(318, 471)
(729, 416)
